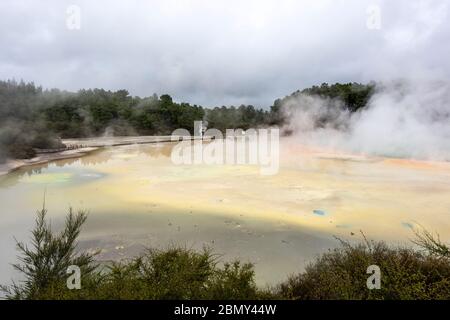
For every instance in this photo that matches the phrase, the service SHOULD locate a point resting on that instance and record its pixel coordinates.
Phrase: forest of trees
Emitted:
(31, 117)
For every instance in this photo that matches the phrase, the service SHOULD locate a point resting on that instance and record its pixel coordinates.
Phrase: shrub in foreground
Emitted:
(181, 273)
(45, 262)
(174, 273)
(405, 273)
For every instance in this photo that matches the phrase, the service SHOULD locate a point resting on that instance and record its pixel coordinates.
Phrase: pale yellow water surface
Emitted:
(137, 197)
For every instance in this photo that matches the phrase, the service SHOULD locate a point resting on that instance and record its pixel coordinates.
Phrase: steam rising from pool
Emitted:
(407, 119)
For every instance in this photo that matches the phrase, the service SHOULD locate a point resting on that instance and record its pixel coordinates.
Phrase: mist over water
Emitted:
(405, 119)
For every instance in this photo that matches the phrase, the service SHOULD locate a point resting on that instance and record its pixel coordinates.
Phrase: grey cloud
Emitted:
(221, 52)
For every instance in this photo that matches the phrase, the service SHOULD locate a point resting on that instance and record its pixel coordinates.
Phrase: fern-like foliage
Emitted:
(44, 262)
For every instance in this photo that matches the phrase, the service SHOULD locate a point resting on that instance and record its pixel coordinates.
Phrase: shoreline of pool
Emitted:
(88, 145)
(15, 164)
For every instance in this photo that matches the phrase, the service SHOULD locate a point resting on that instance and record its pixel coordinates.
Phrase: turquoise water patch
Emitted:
(408, 225)
(343, 226)
(62, 177)
(46, 178)
(90, 176)
(319, 213)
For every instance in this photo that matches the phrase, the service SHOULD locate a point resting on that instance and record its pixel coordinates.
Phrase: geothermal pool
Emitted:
(136, 197)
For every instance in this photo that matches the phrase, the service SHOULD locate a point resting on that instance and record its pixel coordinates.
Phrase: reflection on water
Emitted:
(95, 158)
(136, 197)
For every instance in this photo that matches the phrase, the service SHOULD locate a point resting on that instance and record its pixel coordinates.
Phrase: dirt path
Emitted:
(116, 141)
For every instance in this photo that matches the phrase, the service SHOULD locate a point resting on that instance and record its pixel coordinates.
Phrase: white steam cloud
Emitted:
(407, 119)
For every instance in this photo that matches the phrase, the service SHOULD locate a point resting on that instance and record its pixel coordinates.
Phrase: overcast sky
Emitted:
(221, 52)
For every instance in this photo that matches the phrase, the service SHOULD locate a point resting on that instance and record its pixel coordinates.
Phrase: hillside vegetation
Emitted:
(31, 117)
